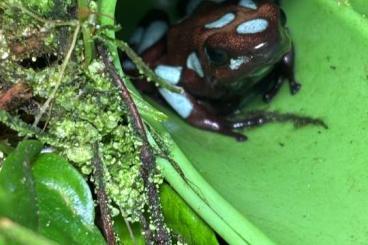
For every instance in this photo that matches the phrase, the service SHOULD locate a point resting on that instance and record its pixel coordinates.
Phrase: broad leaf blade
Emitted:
(11, 233)
(17, 195)
(65, 202)
(182, 219)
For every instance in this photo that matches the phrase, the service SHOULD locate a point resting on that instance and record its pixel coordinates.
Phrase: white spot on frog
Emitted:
(152, 34)
(252, 26)
(171, 74)
(136, 38)
(248, 4)
(236, 63)
(223, 21)
(179, 102)
(194, 64)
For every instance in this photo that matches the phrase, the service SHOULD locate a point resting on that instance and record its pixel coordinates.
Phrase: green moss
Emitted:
(86, 109)
(41, 6)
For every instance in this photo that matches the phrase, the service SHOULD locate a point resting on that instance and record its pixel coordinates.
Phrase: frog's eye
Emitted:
(217, 56)
(283, 17)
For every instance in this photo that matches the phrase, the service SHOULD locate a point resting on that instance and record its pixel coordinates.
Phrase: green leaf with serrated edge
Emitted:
(181, 218)
(18, 195)
(65, 202)
(12, 233)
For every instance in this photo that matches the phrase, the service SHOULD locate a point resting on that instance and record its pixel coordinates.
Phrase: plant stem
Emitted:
(86, 32)
(162, 235)
(129, 227)
(102, 198)
(142, 67)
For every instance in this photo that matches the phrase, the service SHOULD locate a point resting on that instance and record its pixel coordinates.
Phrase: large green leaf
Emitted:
(47, 195)
(182, 219)
(297, 186)
(178, 216)
(14, 234)
(18, 199)
(65, 201)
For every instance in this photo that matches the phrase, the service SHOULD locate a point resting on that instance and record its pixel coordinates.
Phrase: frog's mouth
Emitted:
(241, 85)
(271, 55)
(259, 73)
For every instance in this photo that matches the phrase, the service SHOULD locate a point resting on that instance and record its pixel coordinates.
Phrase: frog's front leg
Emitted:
(287, 70)
(199, 116)
(283, 70)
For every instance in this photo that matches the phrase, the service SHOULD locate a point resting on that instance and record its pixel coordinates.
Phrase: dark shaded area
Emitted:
(41, 62)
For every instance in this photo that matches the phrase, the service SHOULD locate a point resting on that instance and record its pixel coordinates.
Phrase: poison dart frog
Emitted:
(218, 53)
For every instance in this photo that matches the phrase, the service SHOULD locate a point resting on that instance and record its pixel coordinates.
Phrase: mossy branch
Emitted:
(25, 129)
(162, 235)
(102, 198)
(49, 23)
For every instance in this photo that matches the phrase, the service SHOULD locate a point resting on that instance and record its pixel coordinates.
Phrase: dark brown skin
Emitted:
(269, 58)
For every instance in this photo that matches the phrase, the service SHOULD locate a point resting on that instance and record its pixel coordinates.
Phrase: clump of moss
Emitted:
(86, 108)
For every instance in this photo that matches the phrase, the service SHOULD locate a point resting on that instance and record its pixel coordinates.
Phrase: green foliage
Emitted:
(42, 6)
(18, 195)
(182, 219)
(66, 207)
(5, 149)
(86, 107)
(52, 198)
(127, 238)
(14, 234)
(46, 194)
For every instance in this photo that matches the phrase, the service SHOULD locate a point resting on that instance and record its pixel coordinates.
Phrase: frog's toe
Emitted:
(237, 136)
(294, 87)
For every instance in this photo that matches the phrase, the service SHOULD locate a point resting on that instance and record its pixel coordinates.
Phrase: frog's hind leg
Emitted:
(258, 118)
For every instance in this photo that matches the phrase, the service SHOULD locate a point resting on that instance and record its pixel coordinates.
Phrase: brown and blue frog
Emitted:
(218, 53)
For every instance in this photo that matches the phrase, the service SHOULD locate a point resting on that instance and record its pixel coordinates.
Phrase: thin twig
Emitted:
(50, 23)
(131, 234)
(129, 227)
(46, 105)
(142, 67)
(102, 198)
(162, 235)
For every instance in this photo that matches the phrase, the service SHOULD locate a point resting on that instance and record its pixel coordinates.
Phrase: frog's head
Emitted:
(241, 42)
